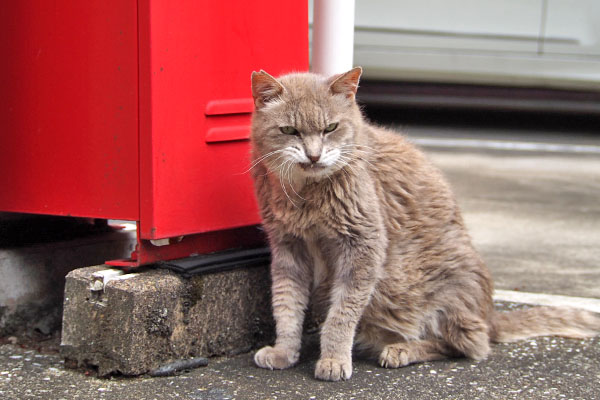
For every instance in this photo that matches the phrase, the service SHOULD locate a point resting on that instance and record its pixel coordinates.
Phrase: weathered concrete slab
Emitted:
(32, 275)
(138, 323)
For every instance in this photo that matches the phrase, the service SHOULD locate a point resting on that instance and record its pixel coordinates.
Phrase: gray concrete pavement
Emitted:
(536, 219)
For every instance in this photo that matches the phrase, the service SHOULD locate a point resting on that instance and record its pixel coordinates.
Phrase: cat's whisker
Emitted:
(353, 149)
(351, 154)
(347, 161)
(352, 157)
(355, 146)
(277, 159)
(363, 146)
(342, 167)
(289, 178)
(360, 152)
(352, 169)
(345, 158)
(260, 159)
(281, 180)
(264, 157)
(284, 165)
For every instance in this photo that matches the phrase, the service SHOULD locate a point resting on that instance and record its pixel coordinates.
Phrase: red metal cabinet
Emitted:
(69, 108)
(140, 110)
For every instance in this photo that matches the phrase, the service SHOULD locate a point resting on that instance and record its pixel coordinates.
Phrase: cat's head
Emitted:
(305, 123)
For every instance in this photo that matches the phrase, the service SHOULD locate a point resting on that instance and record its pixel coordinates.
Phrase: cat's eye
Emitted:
(289, 130)
(331, 127)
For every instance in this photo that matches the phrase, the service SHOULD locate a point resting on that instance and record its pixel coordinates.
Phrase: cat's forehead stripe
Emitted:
(309, 116)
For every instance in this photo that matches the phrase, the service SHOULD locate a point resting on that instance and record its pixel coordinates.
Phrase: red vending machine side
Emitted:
(140, 110)
(69, 108)
(196, 58)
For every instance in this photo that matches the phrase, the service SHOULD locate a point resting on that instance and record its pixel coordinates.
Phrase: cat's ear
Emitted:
(265, 88)
(346, 83)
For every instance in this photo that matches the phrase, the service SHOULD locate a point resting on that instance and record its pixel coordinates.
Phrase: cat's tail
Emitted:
(544, 321)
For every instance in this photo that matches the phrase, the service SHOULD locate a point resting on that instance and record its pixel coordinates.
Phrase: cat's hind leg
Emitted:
(404, 353)
(460, 335)
(468, 334)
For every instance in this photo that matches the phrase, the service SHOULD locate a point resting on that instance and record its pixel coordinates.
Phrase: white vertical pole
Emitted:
(333, 36)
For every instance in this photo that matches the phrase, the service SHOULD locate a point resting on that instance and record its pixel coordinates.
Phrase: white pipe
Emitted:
(333, 36)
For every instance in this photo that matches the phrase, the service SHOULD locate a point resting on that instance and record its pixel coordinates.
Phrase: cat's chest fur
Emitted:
(317, 208)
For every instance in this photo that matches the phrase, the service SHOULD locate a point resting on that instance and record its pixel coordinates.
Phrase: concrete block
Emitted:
(32, 275)
(140, 321)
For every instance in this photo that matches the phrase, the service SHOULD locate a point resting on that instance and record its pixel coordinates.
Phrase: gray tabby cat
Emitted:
(364, 227)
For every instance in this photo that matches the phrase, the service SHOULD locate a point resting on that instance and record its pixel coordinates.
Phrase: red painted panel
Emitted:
(195, 63)
(227, 134)
(229, 106)
(68, 108)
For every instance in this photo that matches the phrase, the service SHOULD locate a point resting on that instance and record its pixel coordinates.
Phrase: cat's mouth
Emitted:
(311, 166)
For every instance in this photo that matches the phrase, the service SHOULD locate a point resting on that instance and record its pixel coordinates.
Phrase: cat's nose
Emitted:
(314, 158)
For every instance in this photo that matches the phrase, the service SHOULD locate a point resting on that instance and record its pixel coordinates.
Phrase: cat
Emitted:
(365, 228)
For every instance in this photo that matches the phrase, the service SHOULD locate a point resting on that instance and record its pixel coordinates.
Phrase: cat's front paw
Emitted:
(330, 369)
(275, 357)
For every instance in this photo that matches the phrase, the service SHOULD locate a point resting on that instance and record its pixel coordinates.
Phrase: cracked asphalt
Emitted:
(542, 368)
